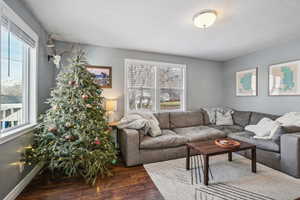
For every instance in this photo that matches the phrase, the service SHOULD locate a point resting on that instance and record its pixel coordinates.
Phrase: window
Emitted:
(154, 86)
(18, 72)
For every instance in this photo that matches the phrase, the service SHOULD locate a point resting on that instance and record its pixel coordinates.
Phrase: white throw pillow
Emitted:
(224, 118)
(275, 130)
(251, 128)
(265, 128)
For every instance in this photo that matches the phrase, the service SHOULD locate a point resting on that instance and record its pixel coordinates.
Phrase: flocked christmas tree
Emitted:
(73, 137)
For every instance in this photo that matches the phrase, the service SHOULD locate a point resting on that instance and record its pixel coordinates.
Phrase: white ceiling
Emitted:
(165, 26)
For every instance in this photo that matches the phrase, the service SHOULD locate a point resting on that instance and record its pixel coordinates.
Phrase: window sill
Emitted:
(13, 134)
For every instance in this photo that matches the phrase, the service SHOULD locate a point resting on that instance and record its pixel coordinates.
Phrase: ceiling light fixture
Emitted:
(205, 18)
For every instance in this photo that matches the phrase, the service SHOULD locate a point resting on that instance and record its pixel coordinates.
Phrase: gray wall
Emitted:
(10, 151)
(261, 59)
(204, 78)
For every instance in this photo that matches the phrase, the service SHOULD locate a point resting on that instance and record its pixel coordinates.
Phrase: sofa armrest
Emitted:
(290, 154)
(130, 146)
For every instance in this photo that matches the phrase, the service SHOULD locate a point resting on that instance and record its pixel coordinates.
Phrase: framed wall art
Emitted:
(284, 79)
(103, 75)
(246, 82)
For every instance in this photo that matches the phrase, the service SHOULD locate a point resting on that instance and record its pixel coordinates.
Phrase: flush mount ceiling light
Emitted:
(205, 18)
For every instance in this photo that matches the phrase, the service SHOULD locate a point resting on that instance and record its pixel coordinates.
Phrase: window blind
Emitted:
(141, 76)
(12, 27)
(154, 86)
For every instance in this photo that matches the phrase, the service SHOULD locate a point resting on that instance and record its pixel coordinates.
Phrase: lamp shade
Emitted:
(111, 105)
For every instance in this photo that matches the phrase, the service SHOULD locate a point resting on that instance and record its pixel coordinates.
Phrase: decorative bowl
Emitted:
(227, 143)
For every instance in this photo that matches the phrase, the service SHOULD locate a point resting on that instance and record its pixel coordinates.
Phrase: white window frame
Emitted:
(156, 103)
(30, 74)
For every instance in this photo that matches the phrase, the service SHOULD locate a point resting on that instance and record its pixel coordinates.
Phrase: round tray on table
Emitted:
(227, 143)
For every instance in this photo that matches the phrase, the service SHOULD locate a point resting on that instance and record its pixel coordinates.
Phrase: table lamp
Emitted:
(110, 107)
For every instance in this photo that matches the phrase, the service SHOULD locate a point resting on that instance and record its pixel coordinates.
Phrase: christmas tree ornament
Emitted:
(114, 162)
(52, 129)
(97, 141)
(87, 140)
(72, 82)
(68, 137)
(68, 125)
(84, 97)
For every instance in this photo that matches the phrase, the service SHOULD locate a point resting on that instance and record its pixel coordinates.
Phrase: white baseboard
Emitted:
(12, 195)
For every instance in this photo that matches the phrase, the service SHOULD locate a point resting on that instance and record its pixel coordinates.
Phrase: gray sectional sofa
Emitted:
(282, 153)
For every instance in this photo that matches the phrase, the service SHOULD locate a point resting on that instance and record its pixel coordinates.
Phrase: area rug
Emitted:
(228, 180)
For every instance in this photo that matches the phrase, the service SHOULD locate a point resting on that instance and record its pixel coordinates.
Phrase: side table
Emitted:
(114, 126)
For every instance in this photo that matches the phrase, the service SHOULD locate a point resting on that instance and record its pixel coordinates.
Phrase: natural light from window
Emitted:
(13, 64)
(154, 86)
(17, 74)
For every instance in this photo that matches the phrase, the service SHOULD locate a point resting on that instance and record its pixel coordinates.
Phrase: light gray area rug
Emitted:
(229, 180)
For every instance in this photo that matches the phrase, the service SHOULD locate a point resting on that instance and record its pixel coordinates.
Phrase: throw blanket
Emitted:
(290, 119)
(146, 121)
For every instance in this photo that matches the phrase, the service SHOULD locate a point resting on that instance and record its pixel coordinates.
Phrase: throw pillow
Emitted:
(275, 134)
(211, 112)
(265, 129)
(224, 118)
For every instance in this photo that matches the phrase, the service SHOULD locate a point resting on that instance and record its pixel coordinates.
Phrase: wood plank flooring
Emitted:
(128, 183)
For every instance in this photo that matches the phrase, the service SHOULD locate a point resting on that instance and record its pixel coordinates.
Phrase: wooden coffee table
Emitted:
(209, 148)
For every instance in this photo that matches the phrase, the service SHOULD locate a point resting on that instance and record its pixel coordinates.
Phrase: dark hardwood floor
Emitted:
(127, 183)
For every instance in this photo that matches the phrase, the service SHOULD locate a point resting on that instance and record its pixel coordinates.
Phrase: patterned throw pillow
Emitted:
(211, 112)
(224, 118)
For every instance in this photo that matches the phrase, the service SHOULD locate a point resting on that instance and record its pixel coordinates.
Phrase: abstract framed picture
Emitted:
(284, 79)
(103, 75)
(246, 82)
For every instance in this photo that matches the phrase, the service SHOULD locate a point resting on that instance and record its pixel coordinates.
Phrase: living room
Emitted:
(150, 99)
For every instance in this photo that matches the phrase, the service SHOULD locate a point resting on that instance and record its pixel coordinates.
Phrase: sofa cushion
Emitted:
(166, 140)
(246, 136)
(241, 118)
(256, 117)
(228, 129)
(199, 133)
(186, 119)
(163, 119)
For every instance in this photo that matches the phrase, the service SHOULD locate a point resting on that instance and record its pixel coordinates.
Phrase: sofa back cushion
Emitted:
(256, 117)
(186, 119)
(241, 118)
(163, 119)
